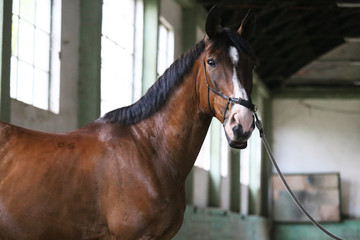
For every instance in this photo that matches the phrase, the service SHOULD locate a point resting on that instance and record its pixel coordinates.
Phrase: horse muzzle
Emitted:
(237, 137)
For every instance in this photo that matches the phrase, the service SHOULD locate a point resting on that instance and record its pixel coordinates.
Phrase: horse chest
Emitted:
(146, 212)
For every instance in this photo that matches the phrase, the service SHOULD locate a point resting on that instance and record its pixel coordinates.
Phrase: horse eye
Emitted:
(211, 62)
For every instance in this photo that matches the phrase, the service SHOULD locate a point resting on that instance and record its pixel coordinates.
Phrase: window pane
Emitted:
(128, 11)
(15, 36)
(42, 50)
(26, 42)
(224, 156)
(27, 10)
(25, 82)
(43, 15)
(118, 54)
(171, 48)
(203, 159)
(137, 83)
(245, 166)
(41, 86)
(30, 66)
(162, 56)
(127, 41)
(13, 77)
(165, 46)
(15, 7)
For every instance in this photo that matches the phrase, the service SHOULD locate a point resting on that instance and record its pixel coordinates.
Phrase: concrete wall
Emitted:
(317, 136)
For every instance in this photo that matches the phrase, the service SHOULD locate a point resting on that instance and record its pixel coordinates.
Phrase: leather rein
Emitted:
(248, 104)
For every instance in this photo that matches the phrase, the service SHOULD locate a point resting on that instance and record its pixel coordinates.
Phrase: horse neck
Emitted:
(180, 127)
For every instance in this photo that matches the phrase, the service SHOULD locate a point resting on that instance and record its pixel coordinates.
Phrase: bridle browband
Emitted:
(246, 103)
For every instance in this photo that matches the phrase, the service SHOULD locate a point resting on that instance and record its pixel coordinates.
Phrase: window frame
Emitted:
(134, 88)
(50, 70)
(165, 55)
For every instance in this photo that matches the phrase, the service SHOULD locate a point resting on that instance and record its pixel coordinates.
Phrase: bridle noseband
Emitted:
(246, 103)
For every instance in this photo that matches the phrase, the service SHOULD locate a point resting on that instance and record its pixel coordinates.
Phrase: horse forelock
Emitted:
(228, 38)
(158, 93)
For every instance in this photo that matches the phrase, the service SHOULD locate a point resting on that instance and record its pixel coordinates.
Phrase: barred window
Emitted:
(32, 47)
(121, 53)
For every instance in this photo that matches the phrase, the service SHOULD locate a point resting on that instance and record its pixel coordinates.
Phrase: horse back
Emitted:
(48, 184)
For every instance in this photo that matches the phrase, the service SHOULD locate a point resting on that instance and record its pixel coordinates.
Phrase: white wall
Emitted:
(316, 136)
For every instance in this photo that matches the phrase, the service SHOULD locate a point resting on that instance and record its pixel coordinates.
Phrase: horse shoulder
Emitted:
(138, 197)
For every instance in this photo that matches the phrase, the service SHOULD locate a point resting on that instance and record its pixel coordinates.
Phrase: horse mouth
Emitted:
(238, 145)
(235, 144)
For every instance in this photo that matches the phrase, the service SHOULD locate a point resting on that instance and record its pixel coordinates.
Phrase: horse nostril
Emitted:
(238, 131)
(234, 119)
(239, 134)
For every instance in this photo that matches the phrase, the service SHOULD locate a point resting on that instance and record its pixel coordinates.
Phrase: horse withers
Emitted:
(123, 176)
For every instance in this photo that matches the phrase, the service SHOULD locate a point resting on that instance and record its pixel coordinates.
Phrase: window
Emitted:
(121, 53)
(165, 46)
(250, 171)
(32, 80)
(203, 159)
(224, 155)
(245, 166)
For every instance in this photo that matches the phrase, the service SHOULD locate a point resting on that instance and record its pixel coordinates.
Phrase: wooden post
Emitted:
(5, 50)
(151, 25)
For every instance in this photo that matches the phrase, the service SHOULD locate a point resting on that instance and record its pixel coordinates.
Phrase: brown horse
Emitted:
(122, 176)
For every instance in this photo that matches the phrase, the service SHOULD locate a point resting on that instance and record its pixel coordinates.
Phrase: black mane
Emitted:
(156, 96)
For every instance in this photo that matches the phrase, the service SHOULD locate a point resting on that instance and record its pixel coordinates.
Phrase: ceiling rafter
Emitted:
(292, 34)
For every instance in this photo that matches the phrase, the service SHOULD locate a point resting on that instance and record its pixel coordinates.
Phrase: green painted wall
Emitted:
(150, 46)
(216, 224)
(5, 50)
(349, 230)
(235, 185)
(89, 61)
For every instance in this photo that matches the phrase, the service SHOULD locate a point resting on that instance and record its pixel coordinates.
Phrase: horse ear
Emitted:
(212, 26)
(247, 27)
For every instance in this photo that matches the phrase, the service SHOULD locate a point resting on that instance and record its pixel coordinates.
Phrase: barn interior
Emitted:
(67, 62)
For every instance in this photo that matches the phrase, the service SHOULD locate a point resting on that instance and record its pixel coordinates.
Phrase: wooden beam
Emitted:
(235, 185)
(317, 92)
(89, 61)
(150, 43)
(266, 166)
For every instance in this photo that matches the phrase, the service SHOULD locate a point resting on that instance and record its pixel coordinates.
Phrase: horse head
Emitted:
(228, 64)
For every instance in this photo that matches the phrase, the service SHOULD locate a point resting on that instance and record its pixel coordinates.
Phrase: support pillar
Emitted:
(5, 50)
(235, 186)
(151, 26)
(89, 61)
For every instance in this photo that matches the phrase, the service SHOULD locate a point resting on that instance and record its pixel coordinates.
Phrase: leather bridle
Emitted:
(246, 103)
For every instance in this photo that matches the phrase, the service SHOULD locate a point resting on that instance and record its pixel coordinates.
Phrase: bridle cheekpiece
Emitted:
(246, 103)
